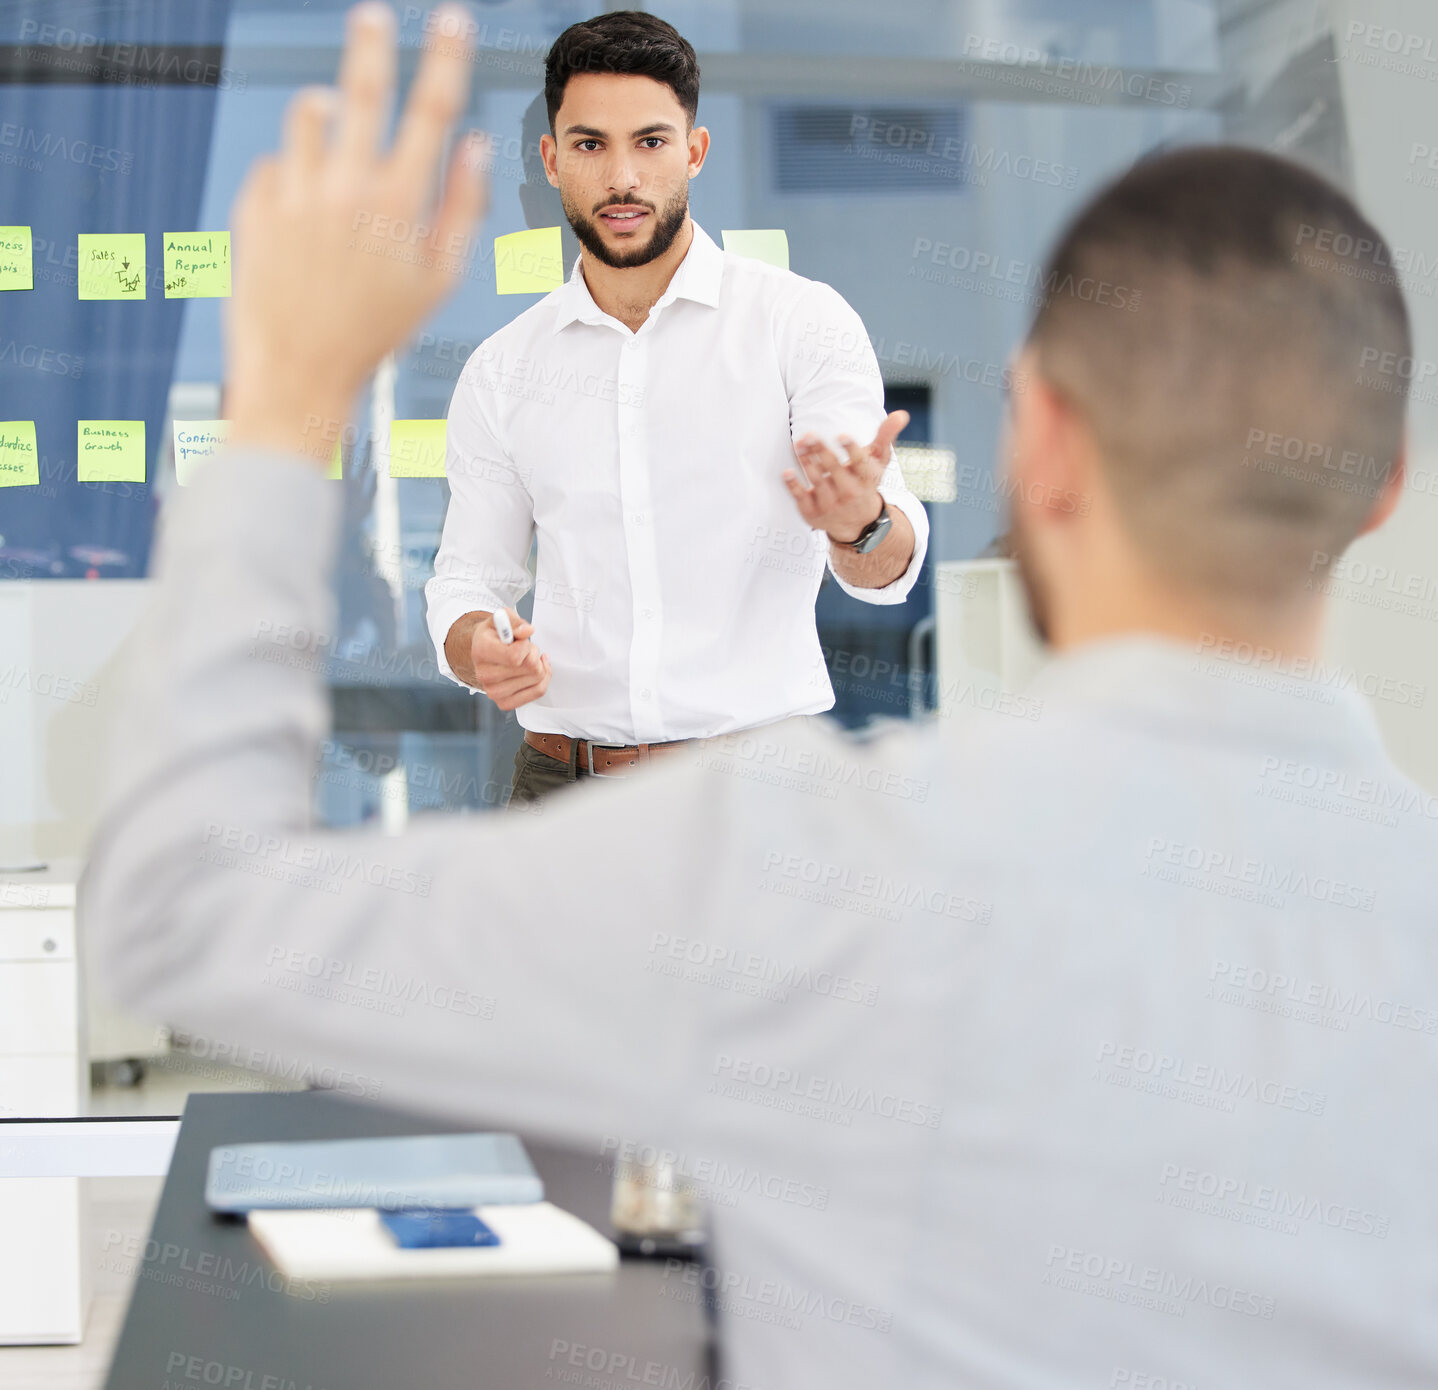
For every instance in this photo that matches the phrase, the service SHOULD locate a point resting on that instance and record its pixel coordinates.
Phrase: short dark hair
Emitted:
(1217, 315)
(623, 41)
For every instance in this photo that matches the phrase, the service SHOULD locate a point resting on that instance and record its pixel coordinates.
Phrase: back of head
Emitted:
(1213, 315)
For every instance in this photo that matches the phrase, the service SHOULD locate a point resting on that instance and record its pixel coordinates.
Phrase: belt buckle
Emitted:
(590, 746)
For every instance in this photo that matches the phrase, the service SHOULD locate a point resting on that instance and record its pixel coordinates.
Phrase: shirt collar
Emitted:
(697, 277)
(1219, 691)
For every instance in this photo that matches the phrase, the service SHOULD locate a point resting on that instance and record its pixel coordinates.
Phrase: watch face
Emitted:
(873, 534)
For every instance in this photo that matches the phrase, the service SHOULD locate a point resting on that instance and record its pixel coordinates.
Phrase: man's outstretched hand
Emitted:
(843, 496)
(341, 250)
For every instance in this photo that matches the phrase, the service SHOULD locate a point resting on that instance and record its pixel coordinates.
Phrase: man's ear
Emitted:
(549, 153)
(1046, 456)
(1387, 501)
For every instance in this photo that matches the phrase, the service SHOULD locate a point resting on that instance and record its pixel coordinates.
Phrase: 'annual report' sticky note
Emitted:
(197, 265)
(19, 458)
(771, 246)
(110, 451)
(530, 262)
(112, 265)
(195, 441)
(416, 449)
(17, 268)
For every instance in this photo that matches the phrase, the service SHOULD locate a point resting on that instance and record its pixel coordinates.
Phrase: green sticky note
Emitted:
(529, 262)
(195, 441)
(110, 451)
(416, 448)
(17, 270)
(19, 458)
(197, 265)
(112, 265)
(771, 246)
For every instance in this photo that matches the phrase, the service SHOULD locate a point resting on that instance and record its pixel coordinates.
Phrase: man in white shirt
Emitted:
(1089, 1051)
(642, 419)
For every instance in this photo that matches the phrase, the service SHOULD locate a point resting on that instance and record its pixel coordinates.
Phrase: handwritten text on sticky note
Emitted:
(416, 449)
(195, 441)
(764, 245)
(529, 262)
(197, 265)
(17, 270)
(19, 458)
(110, 451)
(112, 265)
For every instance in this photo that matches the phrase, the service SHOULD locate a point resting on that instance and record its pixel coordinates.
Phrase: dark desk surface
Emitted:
(207, 1291)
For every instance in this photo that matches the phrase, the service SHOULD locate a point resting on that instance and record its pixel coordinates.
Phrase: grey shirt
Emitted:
(1094, 1044)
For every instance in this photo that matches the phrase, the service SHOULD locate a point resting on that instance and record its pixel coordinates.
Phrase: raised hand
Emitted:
(844, 494)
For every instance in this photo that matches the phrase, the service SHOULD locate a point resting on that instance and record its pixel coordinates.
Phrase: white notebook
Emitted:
(335, 1244)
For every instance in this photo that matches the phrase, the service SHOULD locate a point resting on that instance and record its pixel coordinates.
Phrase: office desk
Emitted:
(206, 1290)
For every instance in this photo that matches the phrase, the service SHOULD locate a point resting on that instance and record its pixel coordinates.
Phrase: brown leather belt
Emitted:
(601, 759)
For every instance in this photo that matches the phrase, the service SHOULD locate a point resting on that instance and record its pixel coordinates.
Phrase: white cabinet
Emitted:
(44, 1073)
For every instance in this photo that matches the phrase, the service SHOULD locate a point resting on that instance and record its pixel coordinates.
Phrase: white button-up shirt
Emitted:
(676, 579)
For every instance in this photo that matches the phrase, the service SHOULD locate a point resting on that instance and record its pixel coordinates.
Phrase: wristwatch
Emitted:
(872, 536)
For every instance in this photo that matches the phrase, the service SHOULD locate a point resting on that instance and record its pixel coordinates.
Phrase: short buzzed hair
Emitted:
(1242, 370)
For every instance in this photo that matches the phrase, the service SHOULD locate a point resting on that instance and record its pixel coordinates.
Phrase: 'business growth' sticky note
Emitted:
(771, 246)
(197, 265)
(416, 449)
(112, 265)
(19, 458)
(17, 269)
(529, 262)
(195, 441)
(110, 451)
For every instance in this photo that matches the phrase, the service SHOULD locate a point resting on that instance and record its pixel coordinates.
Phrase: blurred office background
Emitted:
(919, 155)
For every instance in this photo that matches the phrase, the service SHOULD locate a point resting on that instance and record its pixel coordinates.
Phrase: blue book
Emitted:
(392, 1174)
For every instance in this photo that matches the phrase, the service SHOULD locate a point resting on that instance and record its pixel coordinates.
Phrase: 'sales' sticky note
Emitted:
(416, 448)
(110, 451)
(112, 265)
(19, 458)
(195, 441)
(17, 268)
(768, 245)
(197, 265)
(529, 262)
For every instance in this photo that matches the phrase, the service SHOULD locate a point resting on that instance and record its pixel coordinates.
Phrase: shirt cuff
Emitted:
(896, 591)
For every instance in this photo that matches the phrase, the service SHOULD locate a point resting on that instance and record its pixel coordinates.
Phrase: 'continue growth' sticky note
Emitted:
(110, 451)
(771, 246)
(529, 262)
(197, 265)
(195, 441)
(17, 270)
(19, 458)
(112, 265)
(416, 448)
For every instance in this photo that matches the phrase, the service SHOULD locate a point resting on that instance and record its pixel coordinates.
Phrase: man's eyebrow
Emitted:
(590, 133)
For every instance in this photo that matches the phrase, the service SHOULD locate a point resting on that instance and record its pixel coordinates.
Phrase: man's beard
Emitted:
(666, 227)
(1035, 599)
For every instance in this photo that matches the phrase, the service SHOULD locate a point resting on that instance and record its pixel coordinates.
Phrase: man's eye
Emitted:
(653, 141)
(587, 144)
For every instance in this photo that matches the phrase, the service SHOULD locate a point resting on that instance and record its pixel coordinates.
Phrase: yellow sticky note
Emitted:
(197, 265)
(416, 448)
(110, 451)
(195, 441)
(17, 269)
(529, 262)
(112, 265)
(771, 246)
(337, 463)
(19, 458)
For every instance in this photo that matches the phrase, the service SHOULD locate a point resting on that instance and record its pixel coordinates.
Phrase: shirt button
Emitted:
(646, 613)
(639, 518)
(644, 694)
